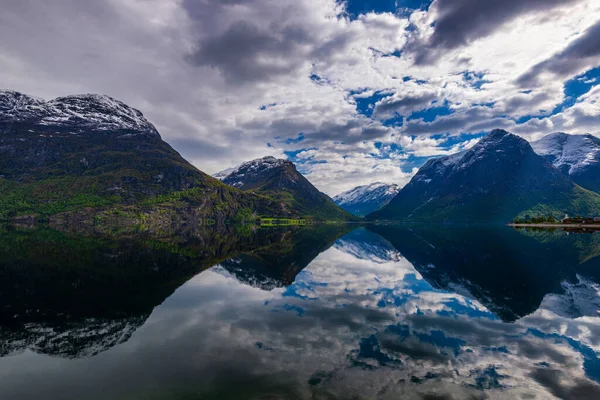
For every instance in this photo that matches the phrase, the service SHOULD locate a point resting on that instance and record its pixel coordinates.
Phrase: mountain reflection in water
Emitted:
(324, 312)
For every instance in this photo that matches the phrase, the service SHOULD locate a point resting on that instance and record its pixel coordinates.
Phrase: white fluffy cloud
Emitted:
(227, 81)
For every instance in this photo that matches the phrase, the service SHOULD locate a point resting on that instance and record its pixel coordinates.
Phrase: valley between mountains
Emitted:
(92, 158)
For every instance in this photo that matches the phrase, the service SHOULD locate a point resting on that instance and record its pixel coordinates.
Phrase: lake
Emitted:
(324, 312)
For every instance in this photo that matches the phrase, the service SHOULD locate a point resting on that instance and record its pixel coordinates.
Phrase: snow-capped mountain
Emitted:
(366, 245)
(548, 264)
(248, 175)
(73, 114)
(224, 174)
(365, 199)
(98, 149)
(577, 156)
(499, 179)
(577, 299)
(73, 339)
(89, 136)
(279, 179)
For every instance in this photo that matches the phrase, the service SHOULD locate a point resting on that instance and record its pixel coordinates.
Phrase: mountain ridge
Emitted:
(279, 179)
(365, 199)
(499, 179)
(577, 156)
(83, 156)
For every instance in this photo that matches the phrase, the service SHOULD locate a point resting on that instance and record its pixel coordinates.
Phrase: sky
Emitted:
(352, 91)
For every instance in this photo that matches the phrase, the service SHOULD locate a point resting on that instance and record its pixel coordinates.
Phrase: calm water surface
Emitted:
(331, 312)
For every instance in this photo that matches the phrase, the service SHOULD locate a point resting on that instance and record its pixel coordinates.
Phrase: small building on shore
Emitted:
(581, 220)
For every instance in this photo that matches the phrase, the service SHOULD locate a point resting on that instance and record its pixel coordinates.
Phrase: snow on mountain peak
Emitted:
(498, 141)
(260, 164)
(367, 193)
(236, 176)
(75, 113)
(569, 153)
(224, 174)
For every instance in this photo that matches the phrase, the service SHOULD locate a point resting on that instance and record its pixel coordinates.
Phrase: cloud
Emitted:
(225, 81)
(337, 167)
(244, 53)
(468, 120)
(581, 54)
(262, 40)
(457, 23)
(403, 104)
(582, 117)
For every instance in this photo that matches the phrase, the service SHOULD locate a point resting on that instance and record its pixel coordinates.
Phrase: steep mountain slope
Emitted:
(577, 156)
(365, 199)
(499, 179)
(92, 151)
(281, 181)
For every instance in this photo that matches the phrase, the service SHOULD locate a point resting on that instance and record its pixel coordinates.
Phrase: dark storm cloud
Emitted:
(553, 380)
(474, 119)
(337, 128)
(580, 54)
(243, 51)
(260, 42)
(387, 107)
(462, 21)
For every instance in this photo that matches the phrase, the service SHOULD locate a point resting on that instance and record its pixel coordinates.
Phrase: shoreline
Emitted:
(544, 225)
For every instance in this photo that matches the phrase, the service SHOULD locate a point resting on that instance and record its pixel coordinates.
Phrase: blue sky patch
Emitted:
(265, 106)
(577, 87)
(358, 7)
(297, 139)
(430, 114)
(365, 105)
(475, 79)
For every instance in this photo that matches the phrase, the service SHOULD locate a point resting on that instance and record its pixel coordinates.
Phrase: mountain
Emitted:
(92, 152)
(53, 284)
(280, 180)
(366, 245)
(278, 264)
(365, 199)
(499, 179)
(223, 174)
(577, 156)
(509, 271)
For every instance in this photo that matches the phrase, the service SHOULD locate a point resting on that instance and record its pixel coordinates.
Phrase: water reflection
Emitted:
(508, 271)
(383, 312)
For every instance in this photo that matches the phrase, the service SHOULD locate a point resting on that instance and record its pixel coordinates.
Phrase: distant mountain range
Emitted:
(446, 182)
(365, 199)
(88, 154)
(280, 180)
(499, 179)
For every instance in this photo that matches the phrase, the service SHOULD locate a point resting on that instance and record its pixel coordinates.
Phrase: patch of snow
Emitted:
(225, 173)
(367, 193)
(250, 169)
(570, 153)
(85, 112)
(577, 300)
